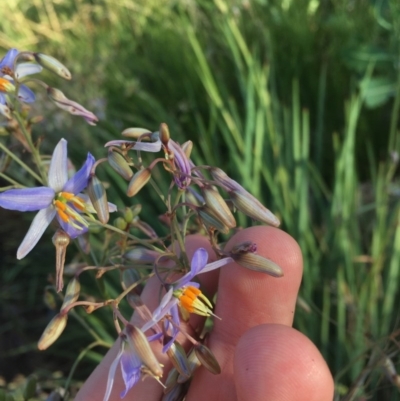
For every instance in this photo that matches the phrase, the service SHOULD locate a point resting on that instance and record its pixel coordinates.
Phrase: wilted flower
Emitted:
(61, 199)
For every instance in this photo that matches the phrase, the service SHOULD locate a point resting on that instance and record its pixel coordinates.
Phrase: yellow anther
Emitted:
(64, 217)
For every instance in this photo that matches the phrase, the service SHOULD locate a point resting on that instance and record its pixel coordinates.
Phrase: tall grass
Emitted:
(298, 100)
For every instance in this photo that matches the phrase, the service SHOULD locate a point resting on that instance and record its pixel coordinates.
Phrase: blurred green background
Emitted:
(296, 99)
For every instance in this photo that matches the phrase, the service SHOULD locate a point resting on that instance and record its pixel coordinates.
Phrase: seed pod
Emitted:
(120, 165)
(194, 363)
(258, 263)
(52, 331)
(53, 65)
(138, 341)
(250, 206)
(177, 356)
(207, 358)
(171, 380)
(138, 181)
(98, 196)
(219, 207)
(72, 292)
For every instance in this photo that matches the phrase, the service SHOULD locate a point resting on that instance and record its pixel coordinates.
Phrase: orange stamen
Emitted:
(59, 205)
(67, 195)
(64, 217)
(187, 303)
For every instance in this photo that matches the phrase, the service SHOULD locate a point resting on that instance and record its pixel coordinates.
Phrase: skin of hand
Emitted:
(261, 356)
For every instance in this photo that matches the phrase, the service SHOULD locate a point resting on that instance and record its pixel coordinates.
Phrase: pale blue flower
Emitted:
(62, 199)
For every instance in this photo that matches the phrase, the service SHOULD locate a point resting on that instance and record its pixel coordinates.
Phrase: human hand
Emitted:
(261, 356)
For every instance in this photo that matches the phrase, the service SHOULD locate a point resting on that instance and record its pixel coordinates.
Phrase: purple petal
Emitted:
(80, 180)
(182, 164)
(71, 230)
(198, 263)
(25, 69)
(27, 199)
(58, 171)
(36, 230)
(25, 94)
(8, 59)
(215, 265)
(130, 368)
(175, 330)
(111, 374)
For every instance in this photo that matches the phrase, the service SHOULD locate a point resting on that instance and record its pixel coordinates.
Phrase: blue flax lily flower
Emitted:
(10, 70)
(185, 294)
(61, 199)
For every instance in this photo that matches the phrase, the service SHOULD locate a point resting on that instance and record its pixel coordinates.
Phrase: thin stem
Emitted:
(11, 181)
(21, 163)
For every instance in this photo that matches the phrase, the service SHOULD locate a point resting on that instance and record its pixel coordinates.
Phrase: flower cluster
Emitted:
(194, 199)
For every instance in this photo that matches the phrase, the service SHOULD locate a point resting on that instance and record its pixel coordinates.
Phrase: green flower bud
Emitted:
(53, 65)
(52, 331)
(98, 196)
(120, 165)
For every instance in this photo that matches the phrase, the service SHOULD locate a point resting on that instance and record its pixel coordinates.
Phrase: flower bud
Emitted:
(30, 388)
(250, 206)
(222, 179)
(138, 341)
(219, 207)
(210, 220)
(164, 134)
(135, 133)
(177, 356)
(72, 292)
(187, 148)
(138, 181)
(120, 223)
(97, 195)
(207, 358)
(141, 254)
(129, 277)
(52, 65)
(5, 111)
(194, 363)
(52, 331)
(171, 380)
(176, 393)
(60, 240)
(131, 212)
(120, 165)
(49, 299)
(257, 263)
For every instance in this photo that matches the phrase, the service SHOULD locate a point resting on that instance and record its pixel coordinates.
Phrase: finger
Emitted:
(247, 299)
(277, 363)
(148, 389)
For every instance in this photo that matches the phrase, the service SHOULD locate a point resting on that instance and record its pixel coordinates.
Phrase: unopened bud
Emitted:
(30, 388)
(52, 331)
(129, 277)
(141, 254)
(187, 147)
(72, 292)
(257, 263)
(53, 65)
(60, 240)
(194, 363)
(207, 358)
(98, 196)
(120, 165)
(224, 180)
(177, 356)
(138, 341)
(176, 393)
(164, 134)
(131, 212)
(49, 299)
(120, 223)
(135, 133)
(171, 380)
(217, 204)
(210, 220)
(5, 111)
(250, 206)
(138, 181)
